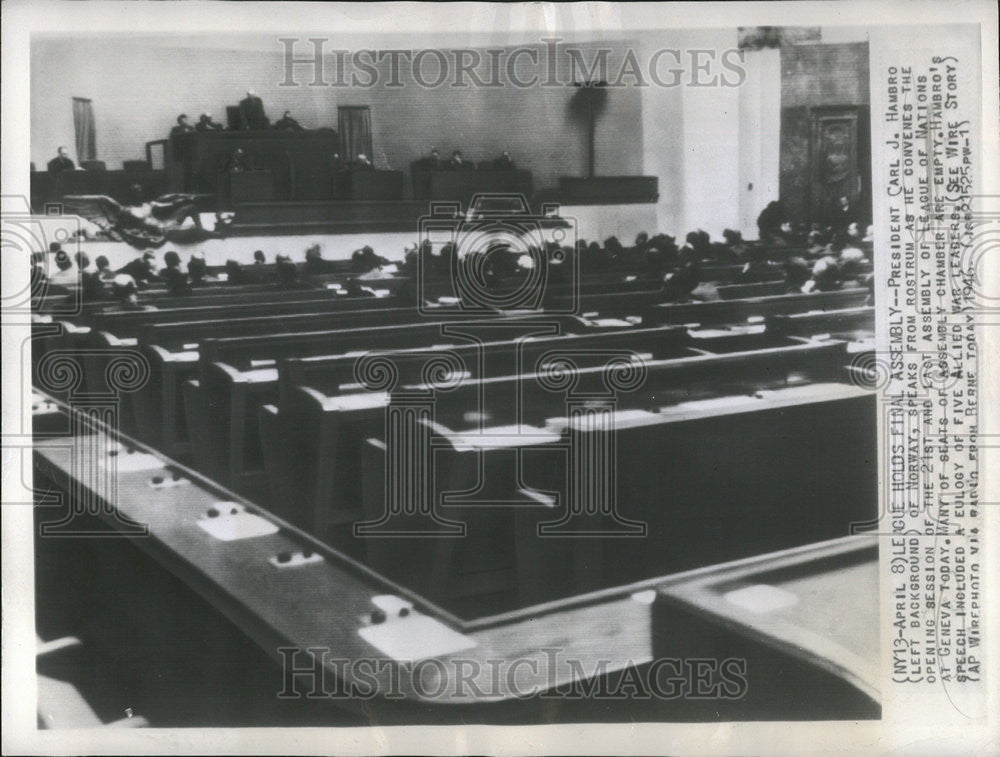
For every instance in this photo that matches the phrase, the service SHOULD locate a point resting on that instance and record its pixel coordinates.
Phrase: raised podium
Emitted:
(601, 190)
(236, 187)
(300, 162)
(373, 185)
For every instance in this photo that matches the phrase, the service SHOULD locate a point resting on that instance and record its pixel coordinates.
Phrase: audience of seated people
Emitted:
(818, 259)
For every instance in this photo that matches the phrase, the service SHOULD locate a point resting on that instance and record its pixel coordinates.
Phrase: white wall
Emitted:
(708, 145)
(760, 136)
(663, 131)
(139, 88)
(692, 141)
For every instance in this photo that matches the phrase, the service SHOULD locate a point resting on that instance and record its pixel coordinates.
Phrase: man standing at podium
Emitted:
(252, 115)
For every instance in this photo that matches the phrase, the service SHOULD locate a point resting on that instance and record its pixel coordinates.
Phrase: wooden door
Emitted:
(836, 164)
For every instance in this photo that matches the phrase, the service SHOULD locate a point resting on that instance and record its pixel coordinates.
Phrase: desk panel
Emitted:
(301, 162)
(375, 185)
(460, 186)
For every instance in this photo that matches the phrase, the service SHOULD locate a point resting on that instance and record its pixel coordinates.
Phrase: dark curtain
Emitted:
(355, 126)
(86, 136)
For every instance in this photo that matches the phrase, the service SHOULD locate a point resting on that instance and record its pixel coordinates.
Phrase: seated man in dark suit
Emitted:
(457, 164)
(62, 161)
(198, 270)
(104, 268)
(287, 123)
(182, 127)
(504, 162)
(431, 161)
(205, 123)
(843, 215)
(142, 270)
(769, 223)
(252, 115)
(175, 279)
(314, 260)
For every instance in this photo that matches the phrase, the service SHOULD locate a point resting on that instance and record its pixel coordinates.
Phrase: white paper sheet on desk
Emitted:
(415, 637)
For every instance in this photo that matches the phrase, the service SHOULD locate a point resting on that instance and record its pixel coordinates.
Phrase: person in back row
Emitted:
(237, 274)
(142, 270)
(66, 276)
(314, 260)
(104, 268)
(288, 274)
(770, 224)
(175, 279)
(125, 292)
(365, 260)
(198, 269)
(91, 283)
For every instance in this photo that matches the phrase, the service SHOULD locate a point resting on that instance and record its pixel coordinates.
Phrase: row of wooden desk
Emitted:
(274, 399)
(52, 187)
(301, 167)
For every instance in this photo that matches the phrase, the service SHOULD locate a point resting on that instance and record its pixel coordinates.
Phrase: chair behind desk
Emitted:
(238, 374)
